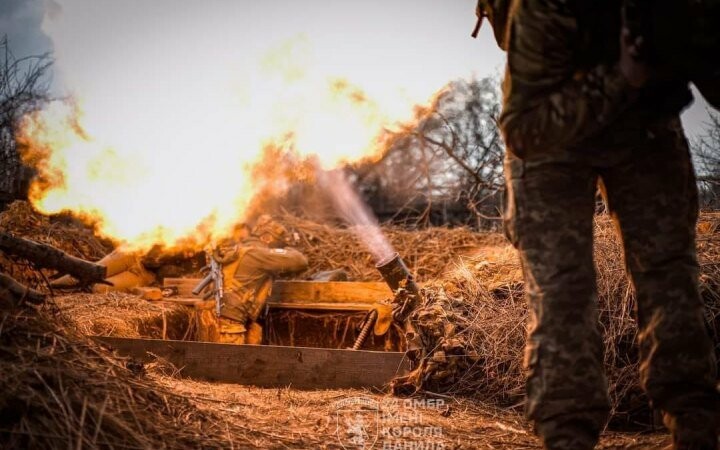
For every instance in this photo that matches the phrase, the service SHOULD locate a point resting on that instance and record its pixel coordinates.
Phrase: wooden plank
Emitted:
(208, 304)
(329, 292)
(322, 306)
(269, 366)
(306, 291)
(188, 302)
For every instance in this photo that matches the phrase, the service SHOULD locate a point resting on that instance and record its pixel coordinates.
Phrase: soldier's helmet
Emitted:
(270, 231)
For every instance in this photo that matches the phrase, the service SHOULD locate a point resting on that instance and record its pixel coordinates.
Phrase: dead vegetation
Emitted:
(126, 315)
(472, 322)
(60, 389)
(430, 252)
(472, 326)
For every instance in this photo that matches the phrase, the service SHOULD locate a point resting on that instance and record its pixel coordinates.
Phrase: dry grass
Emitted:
(473, 336)
(126, 315)
(58, 389)
(310, 418)
(430, 252)
(472, 325)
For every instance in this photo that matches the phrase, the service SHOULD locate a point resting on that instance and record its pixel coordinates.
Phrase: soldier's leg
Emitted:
(549, 218)
(232, 332)
(653, 198)
(254, 334)
(208, 328)
(124, 281)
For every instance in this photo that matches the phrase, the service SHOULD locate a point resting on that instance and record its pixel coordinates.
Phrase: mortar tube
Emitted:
(396, 275)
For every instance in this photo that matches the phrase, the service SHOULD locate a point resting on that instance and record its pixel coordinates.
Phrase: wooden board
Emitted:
(196, 302)
(320, 306)
(329, 292)
(269, 366)
(306, 292)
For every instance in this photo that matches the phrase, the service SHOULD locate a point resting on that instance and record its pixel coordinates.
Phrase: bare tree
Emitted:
(447, 167)
(707, 156)
(24, 85)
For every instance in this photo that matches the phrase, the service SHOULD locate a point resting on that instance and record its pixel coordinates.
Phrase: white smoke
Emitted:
(356, 213)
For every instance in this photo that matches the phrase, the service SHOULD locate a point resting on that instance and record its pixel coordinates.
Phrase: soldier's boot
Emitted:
(232, 332)
(568, 434)
(692, 431)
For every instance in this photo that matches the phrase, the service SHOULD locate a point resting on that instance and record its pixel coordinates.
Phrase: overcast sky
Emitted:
(430, 38)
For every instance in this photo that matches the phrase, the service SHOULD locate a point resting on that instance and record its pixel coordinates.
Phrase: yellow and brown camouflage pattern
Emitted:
(249, 277)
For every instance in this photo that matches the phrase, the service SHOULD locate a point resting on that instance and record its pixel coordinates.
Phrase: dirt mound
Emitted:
(126, 315)
(428, 252)
(59, 390)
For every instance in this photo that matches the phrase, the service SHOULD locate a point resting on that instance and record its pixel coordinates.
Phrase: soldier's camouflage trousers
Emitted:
(211, 328)
(651, 193)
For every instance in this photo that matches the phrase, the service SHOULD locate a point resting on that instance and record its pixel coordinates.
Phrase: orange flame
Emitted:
(159, 157)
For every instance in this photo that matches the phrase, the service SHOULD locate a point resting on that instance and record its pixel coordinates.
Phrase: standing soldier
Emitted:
(250, 261)
(580, 110)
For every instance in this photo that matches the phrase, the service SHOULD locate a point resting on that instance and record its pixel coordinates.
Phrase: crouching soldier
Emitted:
(250, 259)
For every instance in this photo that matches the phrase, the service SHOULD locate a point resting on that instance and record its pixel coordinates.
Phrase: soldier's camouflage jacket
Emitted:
(563, 86)
(249, 274)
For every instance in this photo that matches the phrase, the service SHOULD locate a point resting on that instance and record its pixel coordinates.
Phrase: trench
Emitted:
(292, 328)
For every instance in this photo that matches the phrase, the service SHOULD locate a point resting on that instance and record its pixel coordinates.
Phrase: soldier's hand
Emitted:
(632, 64)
